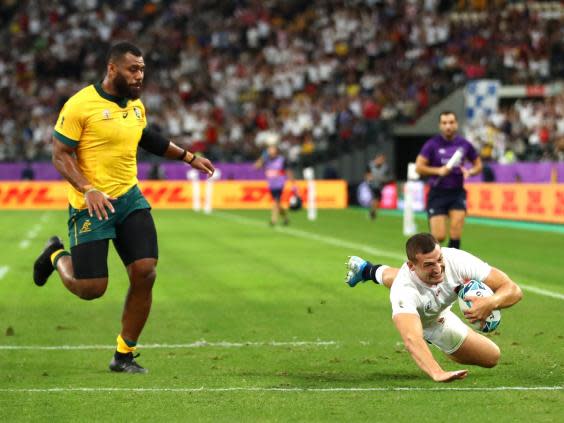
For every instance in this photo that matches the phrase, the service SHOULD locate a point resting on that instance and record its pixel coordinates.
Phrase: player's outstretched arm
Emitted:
(410, 328)
(153, 142)
(199, 163)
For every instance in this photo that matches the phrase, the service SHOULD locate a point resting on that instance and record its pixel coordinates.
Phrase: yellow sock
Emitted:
(54, 256)
(124, 346)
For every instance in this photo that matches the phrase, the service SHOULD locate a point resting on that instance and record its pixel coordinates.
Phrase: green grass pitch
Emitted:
(266, 330)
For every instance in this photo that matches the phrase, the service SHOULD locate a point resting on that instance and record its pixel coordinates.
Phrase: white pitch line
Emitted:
(359, 247)
(336, 242)
(542, 291)
(24, 243)
(197, 344)
(3, 271)
(260, 389)
(31, 234)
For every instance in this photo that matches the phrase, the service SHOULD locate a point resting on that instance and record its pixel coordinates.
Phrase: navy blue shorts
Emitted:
(276, 194)
(440, 201)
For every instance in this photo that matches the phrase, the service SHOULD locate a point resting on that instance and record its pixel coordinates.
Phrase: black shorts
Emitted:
(376, 193)
(276, 193)
(440, 201)
(136, 238)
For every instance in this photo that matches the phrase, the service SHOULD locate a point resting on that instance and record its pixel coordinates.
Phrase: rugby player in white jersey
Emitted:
(422, 292)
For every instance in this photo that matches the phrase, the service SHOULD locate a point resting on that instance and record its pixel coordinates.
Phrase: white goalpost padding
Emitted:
(409, 226)
(208, 202)
(194, 176)
(311, 204)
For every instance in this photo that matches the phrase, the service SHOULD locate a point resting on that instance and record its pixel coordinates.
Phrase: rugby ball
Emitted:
(295, 202)
(478, 289)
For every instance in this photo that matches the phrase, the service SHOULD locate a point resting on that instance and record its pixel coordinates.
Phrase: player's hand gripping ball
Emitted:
(478, 289)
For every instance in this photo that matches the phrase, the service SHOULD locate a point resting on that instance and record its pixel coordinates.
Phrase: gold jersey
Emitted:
(105, 130)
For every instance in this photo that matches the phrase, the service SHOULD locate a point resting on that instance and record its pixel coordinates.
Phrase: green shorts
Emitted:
(83, 228)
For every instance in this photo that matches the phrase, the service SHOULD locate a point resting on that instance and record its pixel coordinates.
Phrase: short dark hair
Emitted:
(447, 112)
(118, 50)
(422, 243)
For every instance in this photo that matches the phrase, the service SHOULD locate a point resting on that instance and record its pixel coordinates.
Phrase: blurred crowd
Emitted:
(224, 77)
(527, 130)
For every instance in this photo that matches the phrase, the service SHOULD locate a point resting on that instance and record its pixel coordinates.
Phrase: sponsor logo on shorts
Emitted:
(86, 227)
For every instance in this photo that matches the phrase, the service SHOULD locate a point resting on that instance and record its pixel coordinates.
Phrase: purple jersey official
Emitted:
(442, 158)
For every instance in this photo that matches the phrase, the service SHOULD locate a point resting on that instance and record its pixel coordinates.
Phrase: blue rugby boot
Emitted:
(355, 266)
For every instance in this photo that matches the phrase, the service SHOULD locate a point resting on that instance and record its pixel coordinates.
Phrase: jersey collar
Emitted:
(120, 101)
(451, 141)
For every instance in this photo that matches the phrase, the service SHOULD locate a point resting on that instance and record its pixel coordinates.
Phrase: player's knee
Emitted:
(440, 237)
(143, 273)
(90, 290)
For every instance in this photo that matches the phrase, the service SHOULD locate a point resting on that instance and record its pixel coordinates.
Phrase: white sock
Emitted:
(380, 274)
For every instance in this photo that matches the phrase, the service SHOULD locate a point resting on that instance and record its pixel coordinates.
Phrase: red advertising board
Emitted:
(534, 202)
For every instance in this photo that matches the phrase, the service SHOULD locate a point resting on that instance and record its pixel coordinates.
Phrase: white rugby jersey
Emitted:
(410, 295)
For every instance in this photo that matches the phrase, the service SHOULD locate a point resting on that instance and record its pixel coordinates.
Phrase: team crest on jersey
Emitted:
(428, 306)
(86, 226)
(137, 112)
(106, 114)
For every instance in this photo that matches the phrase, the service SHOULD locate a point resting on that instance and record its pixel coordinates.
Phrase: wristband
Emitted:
(88, 191)
(192, 159)
(184, 153)
(87, 188)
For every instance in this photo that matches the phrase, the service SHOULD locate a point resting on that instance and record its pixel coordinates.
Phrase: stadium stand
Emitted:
(322, 73)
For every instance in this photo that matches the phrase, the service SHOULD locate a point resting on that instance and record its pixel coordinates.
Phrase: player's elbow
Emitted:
(516, 293)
